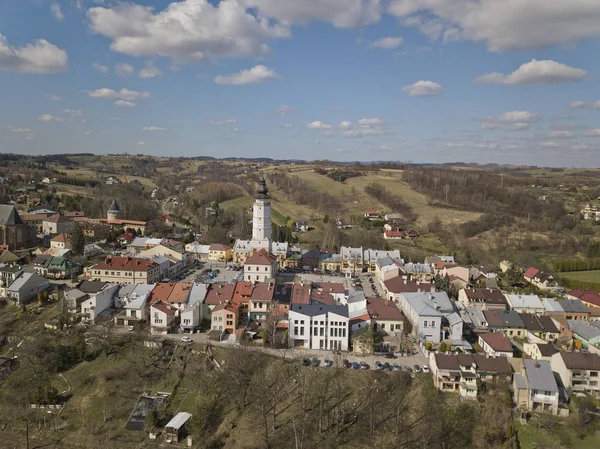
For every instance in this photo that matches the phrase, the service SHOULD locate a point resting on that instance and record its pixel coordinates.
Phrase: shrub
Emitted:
(428, 346)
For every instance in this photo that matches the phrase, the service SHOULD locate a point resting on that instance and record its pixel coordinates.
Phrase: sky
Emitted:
(422, 81)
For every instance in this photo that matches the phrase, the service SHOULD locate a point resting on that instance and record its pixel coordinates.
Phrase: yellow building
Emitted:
(219, 252)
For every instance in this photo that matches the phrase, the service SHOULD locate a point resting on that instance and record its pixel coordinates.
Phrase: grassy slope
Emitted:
(588, 276)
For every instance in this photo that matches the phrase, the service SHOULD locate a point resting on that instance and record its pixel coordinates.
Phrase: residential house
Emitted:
(535, 388)
(543, 281)
(418, 272)
(168, 248)
(352, 259)
(219, 252)
(461, 373)
(337, 290)
(126, 270)
(463, 274)
(387, 268)
(218, 294)
(496, 344)
(385, 316)
(585, 335)
(26, 287)
(7, 256)
(525, 303)
(393, 235)
(562, 309)
(8, 273)
(198, 251)
(58, 224)
(408, 234)
(61, 241)
(540, 329)
(62, 268)
(394, 288)
(422, 313)
(261, 301)
(195, 311)
(372, 215)
(241, 296)
(260, 267)
(242, 249)
(590, 299)
(319, 326)
(486, 298)
(540, 351)
(73, 299)
(91, 250)
(92, 307)
(330, 262)
(225, 317)
(175, 294)
(13, 231)
(371, 256)
(163, 318)
(508, 321)
(393, 217)
(133, 299)
(578, 371)
(35, 221)
(301, 226)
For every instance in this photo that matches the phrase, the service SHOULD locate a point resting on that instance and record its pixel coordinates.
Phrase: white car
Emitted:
(130, 328)
(425, 368)
(186, 339)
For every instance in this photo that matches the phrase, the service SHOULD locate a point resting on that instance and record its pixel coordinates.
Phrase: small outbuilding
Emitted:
(175, 427)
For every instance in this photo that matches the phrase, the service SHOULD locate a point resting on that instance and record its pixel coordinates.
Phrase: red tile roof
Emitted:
(301, 293)
(263, 291)
(322, 297)
(261, 257)
(530, 273)
(360, 319)
(399, 285)
(219, 293)
(126, 263)
(243, 291)
(218, 247)
(62, 237)
(589, 296)
(330, 287)
(394, 234)
(57, 218)
(164, 307)
(383, 309)
(497, 341)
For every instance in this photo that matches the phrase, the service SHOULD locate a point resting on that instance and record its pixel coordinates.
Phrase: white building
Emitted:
(525, 303)
(196, 310)
(425, 311)
(260, 267)
(535, 388)
(162, 317)
(99, 302)
(25, 287)
(197, 250)
(496, 344)
(261, 217)
(319, 326)
(132, 298)
(578, 371)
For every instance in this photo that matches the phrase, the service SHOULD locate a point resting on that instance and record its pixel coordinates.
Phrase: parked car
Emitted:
(408, 369)
(396, 367)
(130, 328)
(315, 362)
(387, 366)
(327, 363)
(306, 362)
(355, 365)
(346, 364)
(186, 339)
(364, 365)
(425, 369)
(378, 365)
(417, 368)
(390, 355)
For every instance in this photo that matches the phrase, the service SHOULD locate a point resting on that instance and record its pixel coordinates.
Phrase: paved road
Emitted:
(295, 353)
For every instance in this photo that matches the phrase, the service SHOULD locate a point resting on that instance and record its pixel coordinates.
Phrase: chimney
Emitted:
(537, 364)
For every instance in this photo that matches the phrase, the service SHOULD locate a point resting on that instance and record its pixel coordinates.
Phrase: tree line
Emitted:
(297, 190)
(395, 202)
(577, 265)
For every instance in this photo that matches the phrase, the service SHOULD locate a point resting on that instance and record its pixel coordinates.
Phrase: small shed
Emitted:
(174, 427)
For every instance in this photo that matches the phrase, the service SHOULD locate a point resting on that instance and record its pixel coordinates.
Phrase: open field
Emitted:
(586, 276)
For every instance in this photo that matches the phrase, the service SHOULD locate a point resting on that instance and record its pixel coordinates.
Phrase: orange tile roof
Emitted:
(63, 238)
(161, 292)
(360, 319)
(219, 293)
(263, 291)
(164, 307)
(261, 257)
(180, 293)
(322, 297)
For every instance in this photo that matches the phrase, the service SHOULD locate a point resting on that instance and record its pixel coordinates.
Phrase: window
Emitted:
(266, 268)
(158, 321)
(215, 319)
(316, 331)
(382, 326)
(424, 323)
(302, 331)
(186, 321)
(344, 332)
(229, 323)
(296, 330)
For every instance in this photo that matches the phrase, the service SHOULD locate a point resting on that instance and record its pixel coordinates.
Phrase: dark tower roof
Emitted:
(114, 206)
(9, 216)
(262, 191)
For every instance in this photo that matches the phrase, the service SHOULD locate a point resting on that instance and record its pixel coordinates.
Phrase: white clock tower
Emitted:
(261, 220)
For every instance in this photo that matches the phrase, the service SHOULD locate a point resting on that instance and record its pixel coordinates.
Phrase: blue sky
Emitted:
(504, 81)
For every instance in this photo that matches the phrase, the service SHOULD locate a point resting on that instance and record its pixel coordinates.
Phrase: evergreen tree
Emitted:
(77, 241)
(513, 275)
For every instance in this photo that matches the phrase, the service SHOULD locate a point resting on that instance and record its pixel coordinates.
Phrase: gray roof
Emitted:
(476, 315)
(511, 319)
(417, 268)
(573, 306)
(454, 318)
(29, 280)
(520, 381)
(438, 301)
(197, 294)
(319, 309)
(524, 301)
(179, 420)
(135, 296)
(584, 329)
(422, 304)
(74, 294)
(114, 206)
(385, 261)
(540, 376)
(9, 216)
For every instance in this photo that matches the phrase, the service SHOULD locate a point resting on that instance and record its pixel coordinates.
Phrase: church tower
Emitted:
(114, 211)
(261, 221)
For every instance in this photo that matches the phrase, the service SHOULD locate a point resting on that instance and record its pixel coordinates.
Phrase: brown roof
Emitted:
(493, 318)
(161, 291)
(243, 291)
(322, 297)
(330, 287)
(497, 341)
(62, 237)
(126, 263)
(229, 306)
(581, 360)
(530, 273)
(360, 319)
(399, 285)
(219, 293)
(123, 222)
(547, 324)
(301, 293)
(547, 349)
(218, 247)
(383, 309)
(75, 214)
(180, 293)
(487, 295)
(263, 291)
(164, 307)
(33, 217)
(57, 218)
(589, 297)
(261, 257)
(498, 365)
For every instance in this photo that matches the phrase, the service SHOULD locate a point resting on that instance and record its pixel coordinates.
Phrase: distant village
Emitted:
(458, 323)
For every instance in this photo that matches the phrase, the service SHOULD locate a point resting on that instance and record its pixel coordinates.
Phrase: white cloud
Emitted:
(56, 12)
(287, 125)
(596, 105)
(509, 24)
(487, 145)
(512, 120)
(550, 144)
(50, 118)
(364, 127)
(123, 94)
(536, 72)
(345, 125)
(140, 142)
(284, 109)
(125, 103)
(38, 57)
(29, 134)
(327, 133)
(592, 133)
(124, 69)
(318, 125)
(340, 13)
(580, 146)
(432, 28)
(74, 112)
(422, 89)
(187, 30)
(55, 98)
(221, 122)
(577, 104)
(256, 74)
(385, 148)
(455, 145)
(560, 134)
(387, 42)
(101, 68)
(153, 128)
(150, 71)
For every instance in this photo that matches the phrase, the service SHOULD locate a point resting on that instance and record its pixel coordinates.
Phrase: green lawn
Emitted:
(533, 437)
(586, 276)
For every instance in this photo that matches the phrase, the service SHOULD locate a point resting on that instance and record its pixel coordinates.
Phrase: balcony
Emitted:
(543, 399)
